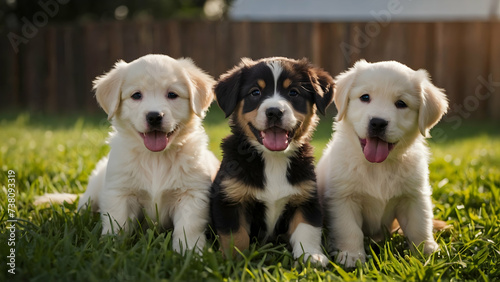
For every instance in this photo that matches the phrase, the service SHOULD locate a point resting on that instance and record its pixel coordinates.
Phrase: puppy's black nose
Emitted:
(274, 113)
(378, 125)
(154, 118)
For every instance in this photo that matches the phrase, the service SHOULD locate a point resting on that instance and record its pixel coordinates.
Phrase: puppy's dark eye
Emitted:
(255, 92)
(136, 96)
(400, 104)
(293, 93)
(172, 95)
(365, 98)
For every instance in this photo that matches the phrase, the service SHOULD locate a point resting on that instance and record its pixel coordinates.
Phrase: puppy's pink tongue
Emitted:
(155, 140)
(376, 150)
(275, 139)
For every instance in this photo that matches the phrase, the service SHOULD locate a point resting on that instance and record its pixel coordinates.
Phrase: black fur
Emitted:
(301, 166)
(240, 160)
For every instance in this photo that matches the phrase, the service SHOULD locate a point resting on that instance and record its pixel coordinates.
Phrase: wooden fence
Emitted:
(53, 70)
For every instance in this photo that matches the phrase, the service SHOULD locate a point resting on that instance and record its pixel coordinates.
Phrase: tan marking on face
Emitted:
(239, 239)
(237, 191)
(286, 83)
(244, 119)
(308, 123)
(261, 83)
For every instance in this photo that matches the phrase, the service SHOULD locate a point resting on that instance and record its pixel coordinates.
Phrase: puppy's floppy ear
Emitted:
(343, 84)
(227, 90)
(201, 85)
(323, 86)
(434, 103)
(107, 88)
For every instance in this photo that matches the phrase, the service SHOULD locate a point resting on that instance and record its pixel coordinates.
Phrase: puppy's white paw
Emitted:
(181, 247)
(108, 229)
(430, 247)
(348, 259)
(178, 247)
(317, 259)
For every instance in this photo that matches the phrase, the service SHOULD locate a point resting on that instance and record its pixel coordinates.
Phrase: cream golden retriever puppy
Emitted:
(159, 163)
(375, 168)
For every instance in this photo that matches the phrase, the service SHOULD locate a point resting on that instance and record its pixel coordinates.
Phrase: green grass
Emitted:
(57, 154)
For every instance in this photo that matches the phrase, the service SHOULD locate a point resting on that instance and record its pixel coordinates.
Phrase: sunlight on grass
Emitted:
(57, 154)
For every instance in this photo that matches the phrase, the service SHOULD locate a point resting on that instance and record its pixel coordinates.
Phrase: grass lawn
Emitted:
(57, 154)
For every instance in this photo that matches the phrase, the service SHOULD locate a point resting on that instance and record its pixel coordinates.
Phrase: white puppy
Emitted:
(159, 163)
(375, 168)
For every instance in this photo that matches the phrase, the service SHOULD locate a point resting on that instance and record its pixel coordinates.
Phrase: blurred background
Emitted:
(51, 50)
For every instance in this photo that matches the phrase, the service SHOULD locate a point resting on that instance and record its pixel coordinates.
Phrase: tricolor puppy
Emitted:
(266, 186)
(375, 168)
(159, 163)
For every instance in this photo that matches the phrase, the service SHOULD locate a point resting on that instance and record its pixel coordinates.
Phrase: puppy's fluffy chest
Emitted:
(277, 186)
(371, 180)
(277, 190)
(404, 172)
(148, 174)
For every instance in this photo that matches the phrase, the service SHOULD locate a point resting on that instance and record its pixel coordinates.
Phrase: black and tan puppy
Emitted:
(266, 185)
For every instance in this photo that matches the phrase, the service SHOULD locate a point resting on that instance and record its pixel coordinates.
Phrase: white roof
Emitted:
(364, 10)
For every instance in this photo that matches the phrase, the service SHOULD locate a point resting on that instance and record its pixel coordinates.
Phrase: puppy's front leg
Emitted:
(230, 224)
(346, 223)
(415, 217)
(116, 210)
(190, 220)
(306, 239)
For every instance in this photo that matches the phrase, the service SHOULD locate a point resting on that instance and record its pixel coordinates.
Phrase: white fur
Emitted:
(276, 68)
(363, 198)
(288, 121)
(278, 190)
(306, 240)
(170, 186)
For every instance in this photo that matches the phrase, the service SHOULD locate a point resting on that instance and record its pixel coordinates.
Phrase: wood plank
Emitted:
(492, 95)
(33, 72)
(448, 68)
(97, 61)
(173, 42)
(241, 43)
(222, 48)
(332, 40)
(303, 40)
(9, 74)
(114, 32)
(52, 96)
(69, 68)
(475, 66)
